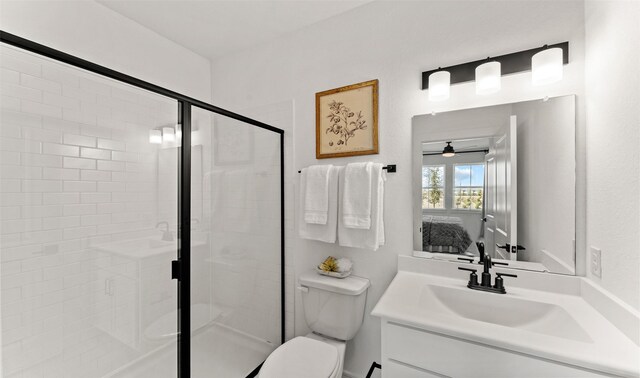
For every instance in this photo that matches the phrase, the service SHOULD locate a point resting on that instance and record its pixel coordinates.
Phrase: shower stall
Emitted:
(141, 231)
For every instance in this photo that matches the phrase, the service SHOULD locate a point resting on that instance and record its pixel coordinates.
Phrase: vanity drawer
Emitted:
(457, 358)
(395, 369)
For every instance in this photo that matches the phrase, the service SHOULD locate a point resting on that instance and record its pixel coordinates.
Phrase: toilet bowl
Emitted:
(304, 356)
(334, 310)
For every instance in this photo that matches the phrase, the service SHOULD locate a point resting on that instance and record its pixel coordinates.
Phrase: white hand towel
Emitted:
(322, 232)
(372, 238)
(356, 198)
(316, 200)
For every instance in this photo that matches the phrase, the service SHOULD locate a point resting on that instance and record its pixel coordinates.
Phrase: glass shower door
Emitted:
(101, 207)
(235, 245)
(88, 218)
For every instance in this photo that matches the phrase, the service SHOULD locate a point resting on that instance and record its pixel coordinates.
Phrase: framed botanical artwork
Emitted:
(347, 121)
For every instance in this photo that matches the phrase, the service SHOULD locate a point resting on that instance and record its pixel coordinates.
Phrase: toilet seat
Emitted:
(302, 357)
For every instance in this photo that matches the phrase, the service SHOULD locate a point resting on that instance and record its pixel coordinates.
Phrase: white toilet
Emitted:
(334, 310)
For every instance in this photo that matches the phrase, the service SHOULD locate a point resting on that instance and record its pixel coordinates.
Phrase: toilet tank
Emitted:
(333, 307)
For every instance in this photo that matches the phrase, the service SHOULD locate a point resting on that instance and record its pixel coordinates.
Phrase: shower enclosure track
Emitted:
(182, 274)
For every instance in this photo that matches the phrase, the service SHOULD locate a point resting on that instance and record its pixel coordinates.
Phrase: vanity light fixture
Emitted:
(168, 134)
(448, 150)
(545, 62)
(546, 66)
(439, 84)
(488, 78)
(155, 136)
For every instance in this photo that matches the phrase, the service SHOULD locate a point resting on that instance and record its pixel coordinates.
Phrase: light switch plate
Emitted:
(596, 262)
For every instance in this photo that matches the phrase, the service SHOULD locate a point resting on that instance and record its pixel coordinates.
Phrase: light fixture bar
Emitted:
(510, 63)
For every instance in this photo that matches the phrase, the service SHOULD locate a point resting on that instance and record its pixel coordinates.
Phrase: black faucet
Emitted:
(480, 246)
(485, 283)
(486, 276)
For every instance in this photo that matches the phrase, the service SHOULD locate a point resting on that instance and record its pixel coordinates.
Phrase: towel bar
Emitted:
(391, 168)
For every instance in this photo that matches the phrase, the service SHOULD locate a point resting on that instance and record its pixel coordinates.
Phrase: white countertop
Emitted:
(609, 350)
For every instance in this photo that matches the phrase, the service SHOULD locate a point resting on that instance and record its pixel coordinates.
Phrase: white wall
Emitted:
(93, 32)
(393, 42)
(613, 124)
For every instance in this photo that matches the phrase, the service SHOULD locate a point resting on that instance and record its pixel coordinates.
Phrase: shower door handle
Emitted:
(175, 270)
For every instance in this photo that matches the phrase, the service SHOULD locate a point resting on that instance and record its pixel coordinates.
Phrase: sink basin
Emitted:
(503, 310)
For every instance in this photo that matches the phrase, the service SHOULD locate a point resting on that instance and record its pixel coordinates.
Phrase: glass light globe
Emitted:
(488, 78)
(439, 83)
(546, 66)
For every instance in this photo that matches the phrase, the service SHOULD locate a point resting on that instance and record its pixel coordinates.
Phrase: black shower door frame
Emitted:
(181, 268)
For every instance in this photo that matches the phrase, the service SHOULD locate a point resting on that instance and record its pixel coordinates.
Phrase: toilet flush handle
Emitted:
(303, 289)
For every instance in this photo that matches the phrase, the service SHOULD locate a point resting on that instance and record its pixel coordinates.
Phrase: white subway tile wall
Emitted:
(81, 193)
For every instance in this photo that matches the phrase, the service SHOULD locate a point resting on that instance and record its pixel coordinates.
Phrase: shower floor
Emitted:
(216, 352)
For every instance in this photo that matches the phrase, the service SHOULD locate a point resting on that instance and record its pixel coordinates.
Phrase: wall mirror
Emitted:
(497, 180)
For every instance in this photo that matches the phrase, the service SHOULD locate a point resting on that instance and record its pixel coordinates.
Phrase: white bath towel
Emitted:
(316, 200)
(372, 238)
(356, 198)
(322, 232)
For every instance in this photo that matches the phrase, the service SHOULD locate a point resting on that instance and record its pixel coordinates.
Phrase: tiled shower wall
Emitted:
(77, 172)
(80, 180)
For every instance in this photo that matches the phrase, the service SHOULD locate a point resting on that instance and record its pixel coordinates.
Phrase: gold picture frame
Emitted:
(347, 121)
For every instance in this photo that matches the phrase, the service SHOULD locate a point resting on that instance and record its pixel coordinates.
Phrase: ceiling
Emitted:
(213, 28)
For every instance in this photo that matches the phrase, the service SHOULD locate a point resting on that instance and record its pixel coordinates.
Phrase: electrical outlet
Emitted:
(596, 262)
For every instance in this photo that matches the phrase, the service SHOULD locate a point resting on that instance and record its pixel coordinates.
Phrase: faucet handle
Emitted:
(473, 277)
(499, 263)
(468, 259)
(499, 285)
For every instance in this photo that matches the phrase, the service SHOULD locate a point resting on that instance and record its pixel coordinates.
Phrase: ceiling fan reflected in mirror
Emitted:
(448, 150)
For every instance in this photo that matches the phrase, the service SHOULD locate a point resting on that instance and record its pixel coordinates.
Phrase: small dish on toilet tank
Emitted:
(333, 274)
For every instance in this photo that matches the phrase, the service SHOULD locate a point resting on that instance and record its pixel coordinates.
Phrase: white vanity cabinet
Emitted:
(545, 326)
(409, 352)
